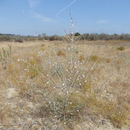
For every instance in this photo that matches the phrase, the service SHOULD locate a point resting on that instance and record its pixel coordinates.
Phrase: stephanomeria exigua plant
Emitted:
(68, 82)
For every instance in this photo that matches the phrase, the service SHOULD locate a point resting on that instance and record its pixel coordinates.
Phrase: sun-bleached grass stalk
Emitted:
(5, 55)
(68, 76)
(72, 37)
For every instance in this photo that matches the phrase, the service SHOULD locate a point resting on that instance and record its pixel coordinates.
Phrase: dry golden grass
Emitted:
(40, 88)
(61, 53)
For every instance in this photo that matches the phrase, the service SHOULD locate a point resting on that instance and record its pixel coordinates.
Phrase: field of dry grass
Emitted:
(57, 86)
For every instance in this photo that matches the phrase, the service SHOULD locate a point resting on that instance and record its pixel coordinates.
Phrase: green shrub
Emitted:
(121, 48)
(77, 34)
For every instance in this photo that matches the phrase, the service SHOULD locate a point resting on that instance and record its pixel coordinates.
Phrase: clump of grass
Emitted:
(5, 114)
(43, 45)
(33, 71)
(76, 52)
(114, 113)
(107, 60)
(86, 87)
(61, 53)
(81, 58)
(94, 58)
(121, 48)
(33, 66)
(4, 56)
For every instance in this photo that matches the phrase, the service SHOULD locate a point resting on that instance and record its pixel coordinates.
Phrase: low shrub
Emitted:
(61, 53)
(121, 48)
(94, 58)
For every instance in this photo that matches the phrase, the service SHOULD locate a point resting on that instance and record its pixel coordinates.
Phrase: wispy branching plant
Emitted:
(67, 81)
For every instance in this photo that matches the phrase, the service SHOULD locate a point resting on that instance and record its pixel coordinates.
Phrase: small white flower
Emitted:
(26, 70)
(77, 110)
(70, 103)
(69, 49)
(47, 82)
(18, 60)
(83, 75)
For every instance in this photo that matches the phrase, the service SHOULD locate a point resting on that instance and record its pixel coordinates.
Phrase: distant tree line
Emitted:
(16, 38)
(102, 36)
(78, 36)
(87, 36)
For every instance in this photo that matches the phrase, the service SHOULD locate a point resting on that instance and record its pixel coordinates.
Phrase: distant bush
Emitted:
(55, 37)
(121, 48)
(4, 38)
(19, 40)
(94, 58)
(77, 34)
(60, 53)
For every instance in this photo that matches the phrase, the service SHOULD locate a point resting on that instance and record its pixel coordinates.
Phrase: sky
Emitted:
(33, 17)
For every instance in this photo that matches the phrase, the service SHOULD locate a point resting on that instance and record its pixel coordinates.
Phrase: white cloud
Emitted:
(66, 7)
(33, 3)
(42, 18)
(102, 22)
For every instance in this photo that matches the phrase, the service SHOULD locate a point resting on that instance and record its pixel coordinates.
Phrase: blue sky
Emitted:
(33, 17)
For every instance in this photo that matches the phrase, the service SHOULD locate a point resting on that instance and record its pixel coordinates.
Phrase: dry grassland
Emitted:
(57, 86)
